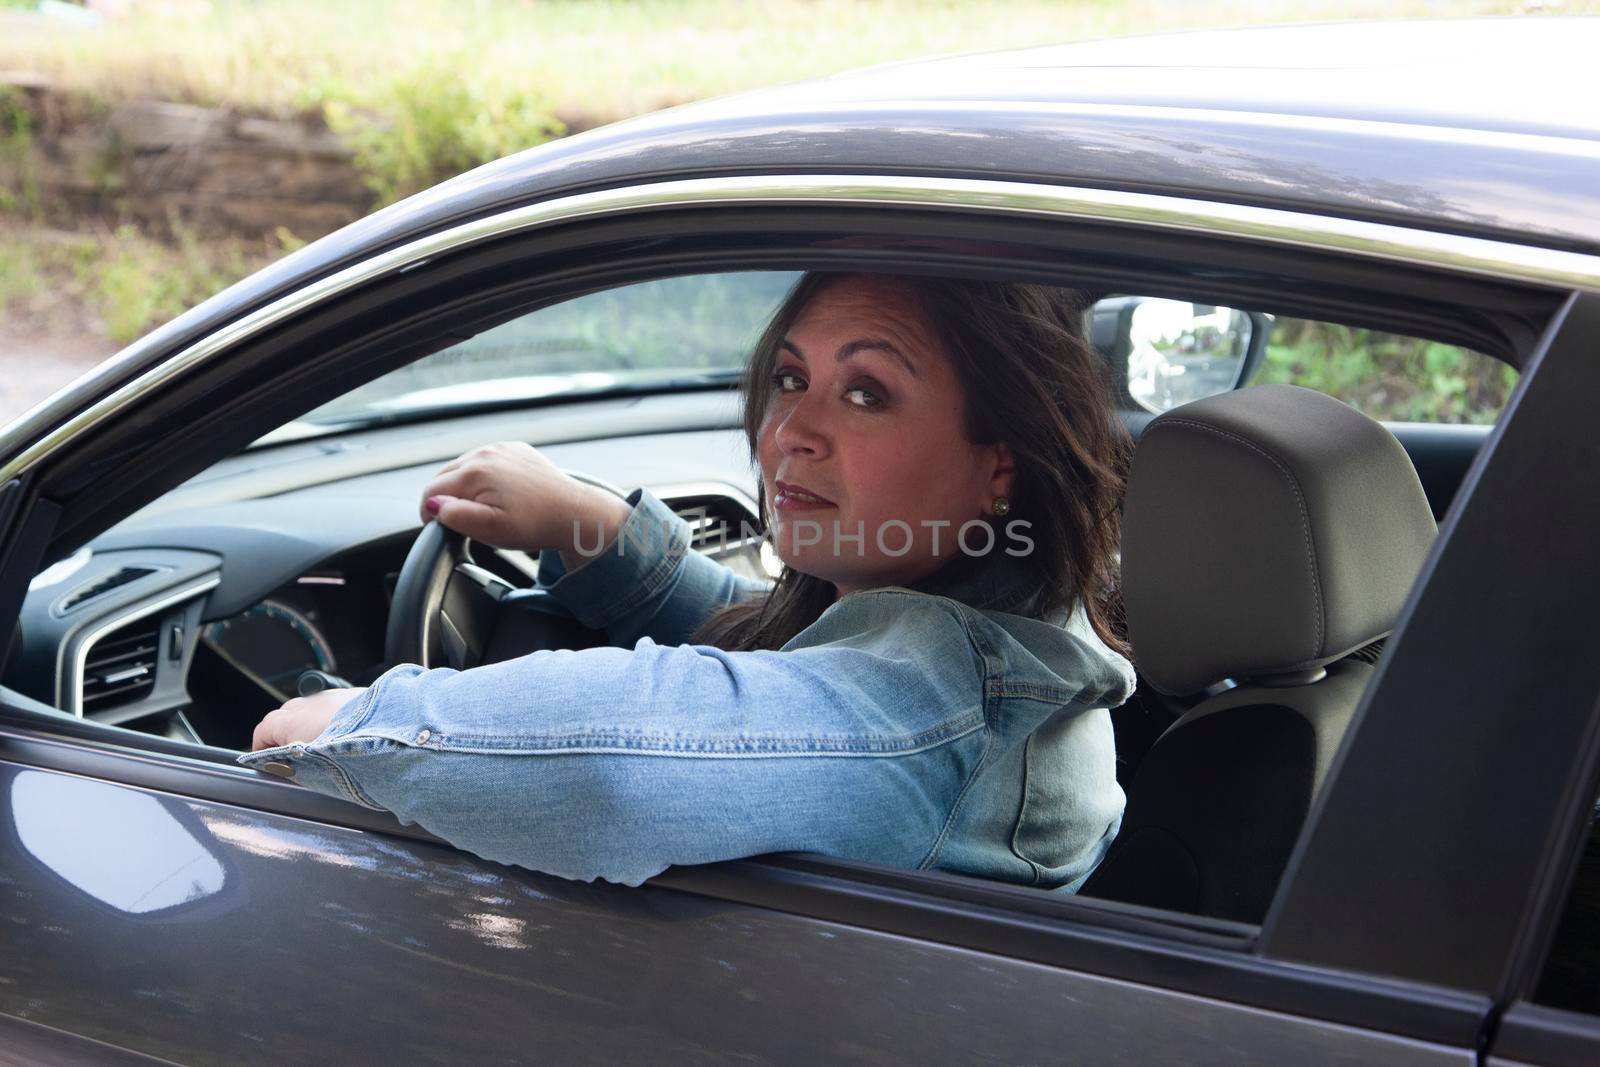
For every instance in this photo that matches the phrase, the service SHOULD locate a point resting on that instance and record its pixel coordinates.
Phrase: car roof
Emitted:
(1478, 126)
(1506, 75)
(1482, 127)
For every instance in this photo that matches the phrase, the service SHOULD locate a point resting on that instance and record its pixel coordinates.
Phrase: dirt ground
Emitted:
(52, 329)
(47, 338)
(32, 368)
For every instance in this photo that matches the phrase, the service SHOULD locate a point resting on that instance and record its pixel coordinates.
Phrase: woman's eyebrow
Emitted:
(861, 345)
(879, 343)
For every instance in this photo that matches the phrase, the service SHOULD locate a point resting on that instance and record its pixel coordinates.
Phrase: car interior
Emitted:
(1270, 538)
(214, 603)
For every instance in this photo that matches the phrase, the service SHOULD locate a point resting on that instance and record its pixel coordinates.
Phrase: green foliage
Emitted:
(106, 169)
(141, 283)
(21, 276)
(433, 123)
(42, 272)
(287, 241)
(19, 185)
(124, 280)
(1388, 376)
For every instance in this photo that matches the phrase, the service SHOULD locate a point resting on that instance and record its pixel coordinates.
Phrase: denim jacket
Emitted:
(923, 728)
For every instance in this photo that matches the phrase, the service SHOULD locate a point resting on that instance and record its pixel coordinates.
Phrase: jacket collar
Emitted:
(996, 582)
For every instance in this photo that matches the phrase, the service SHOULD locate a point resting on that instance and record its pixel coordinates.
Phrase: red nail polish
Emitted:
(432, 504)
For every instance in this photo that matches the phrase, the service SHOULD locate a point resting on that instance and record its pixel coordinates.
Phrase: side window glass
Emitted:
(1388, 376)
(652, 332)
(1165, 353)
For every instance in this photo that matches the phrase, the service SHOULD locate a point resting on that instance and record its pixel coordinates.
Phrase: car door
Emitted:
(160, 900)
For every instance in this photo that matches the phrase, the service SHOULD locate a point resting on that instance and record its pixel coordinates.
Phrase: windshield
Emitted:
(654, 333)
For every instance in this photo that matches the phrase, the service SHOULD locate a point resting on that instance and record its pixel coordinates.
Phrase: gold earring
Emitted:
(1002, 507)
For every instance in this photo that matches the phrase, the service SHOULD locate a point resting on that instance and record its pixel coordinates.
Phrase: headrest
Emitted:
(1266, 531)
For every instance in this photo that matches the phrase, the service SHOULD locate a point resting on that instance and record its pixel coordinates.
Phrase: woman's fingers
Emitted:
(262, 737)
(431, 494)
(477, 520)
(459, 483)
(301, 720)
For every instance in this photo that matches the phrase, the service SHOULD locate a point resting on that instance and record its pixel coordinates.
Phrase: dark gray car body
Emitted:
(1412, 922)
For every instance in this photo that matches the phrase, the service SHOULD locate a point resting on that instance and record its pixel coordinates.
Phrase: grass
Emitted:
(126, 282)
(19, 187)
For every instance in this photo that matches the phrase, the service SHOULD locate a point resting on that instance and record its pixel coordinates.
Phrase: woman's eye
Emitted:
(787, 381)
(863, 397)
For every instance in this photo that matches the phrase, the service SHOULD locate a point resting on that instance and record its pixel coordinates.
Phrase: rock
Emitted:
(218, 172)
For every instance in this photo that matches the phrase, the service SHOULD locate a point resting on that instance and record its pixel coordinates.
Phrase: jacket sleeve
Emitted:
(647, 582)
(615, 764)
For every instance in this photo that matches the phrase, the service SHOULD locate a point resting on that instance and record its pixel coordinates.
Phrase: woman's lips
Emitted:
(794, 498)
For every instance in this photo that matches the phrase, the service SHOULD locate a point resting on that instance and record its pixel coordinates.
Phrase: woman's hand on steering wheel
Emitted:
(509, 495)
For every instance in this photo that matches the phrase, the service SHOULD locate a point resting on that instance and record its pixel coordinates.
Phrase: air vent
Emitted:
(122, 666)
(716, 523)
(104, 584)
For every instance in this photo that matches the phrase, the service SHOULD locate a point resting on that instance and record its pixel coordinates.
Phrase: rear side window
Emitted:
(1388, 376)
(1165, 353)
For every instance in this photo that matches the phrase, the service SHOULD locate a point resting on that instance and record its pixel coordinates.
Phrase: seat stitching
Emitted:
(1300, 502)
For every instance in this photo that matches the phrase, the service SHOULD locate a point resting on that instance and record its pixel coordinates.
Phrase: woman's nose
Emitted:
(801, 431)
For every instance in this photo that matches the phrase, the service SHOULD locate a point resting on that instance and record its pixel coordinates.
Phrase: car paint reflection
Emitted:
(122, 848)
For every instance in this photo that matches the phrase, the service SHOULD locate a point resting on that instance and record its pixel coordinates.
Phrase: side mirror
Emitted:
(1164, 353)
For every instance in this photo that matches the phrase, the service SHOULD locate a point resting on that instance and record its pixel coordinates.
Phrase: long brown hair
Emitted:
(1030, 380)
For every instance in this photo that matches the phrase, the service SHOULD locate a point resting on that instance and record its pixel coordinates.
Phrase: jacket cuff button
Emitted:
(282, 770)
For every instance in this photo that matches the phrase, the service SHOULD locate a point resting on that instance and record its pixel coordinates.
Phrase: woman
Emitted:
(911, 691)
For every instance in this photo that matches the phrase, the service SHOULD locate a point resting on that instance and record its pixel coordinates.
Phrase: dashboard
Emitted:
(196, 615)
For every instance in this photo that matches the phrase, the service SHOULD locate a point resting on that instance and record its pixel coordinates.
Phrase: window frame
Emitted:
(1520, 903)
(1272, 971)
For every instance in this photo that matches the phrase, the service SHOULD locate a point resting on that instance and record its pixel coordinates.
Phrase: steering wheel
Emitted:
(445, 606)
(448, 611)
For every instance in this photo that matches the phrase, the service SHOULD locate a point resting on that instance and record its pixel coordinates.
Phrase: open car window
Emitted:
(1167, 352)
(207, 666)
(1389, 376)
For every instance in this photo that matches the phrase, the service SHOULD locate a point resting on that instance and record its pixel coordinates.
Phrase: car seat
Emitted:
(1270, 537)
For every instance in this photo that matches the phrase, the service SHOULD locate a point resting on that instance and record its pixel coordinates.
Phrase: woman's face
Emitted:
(865, 434)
